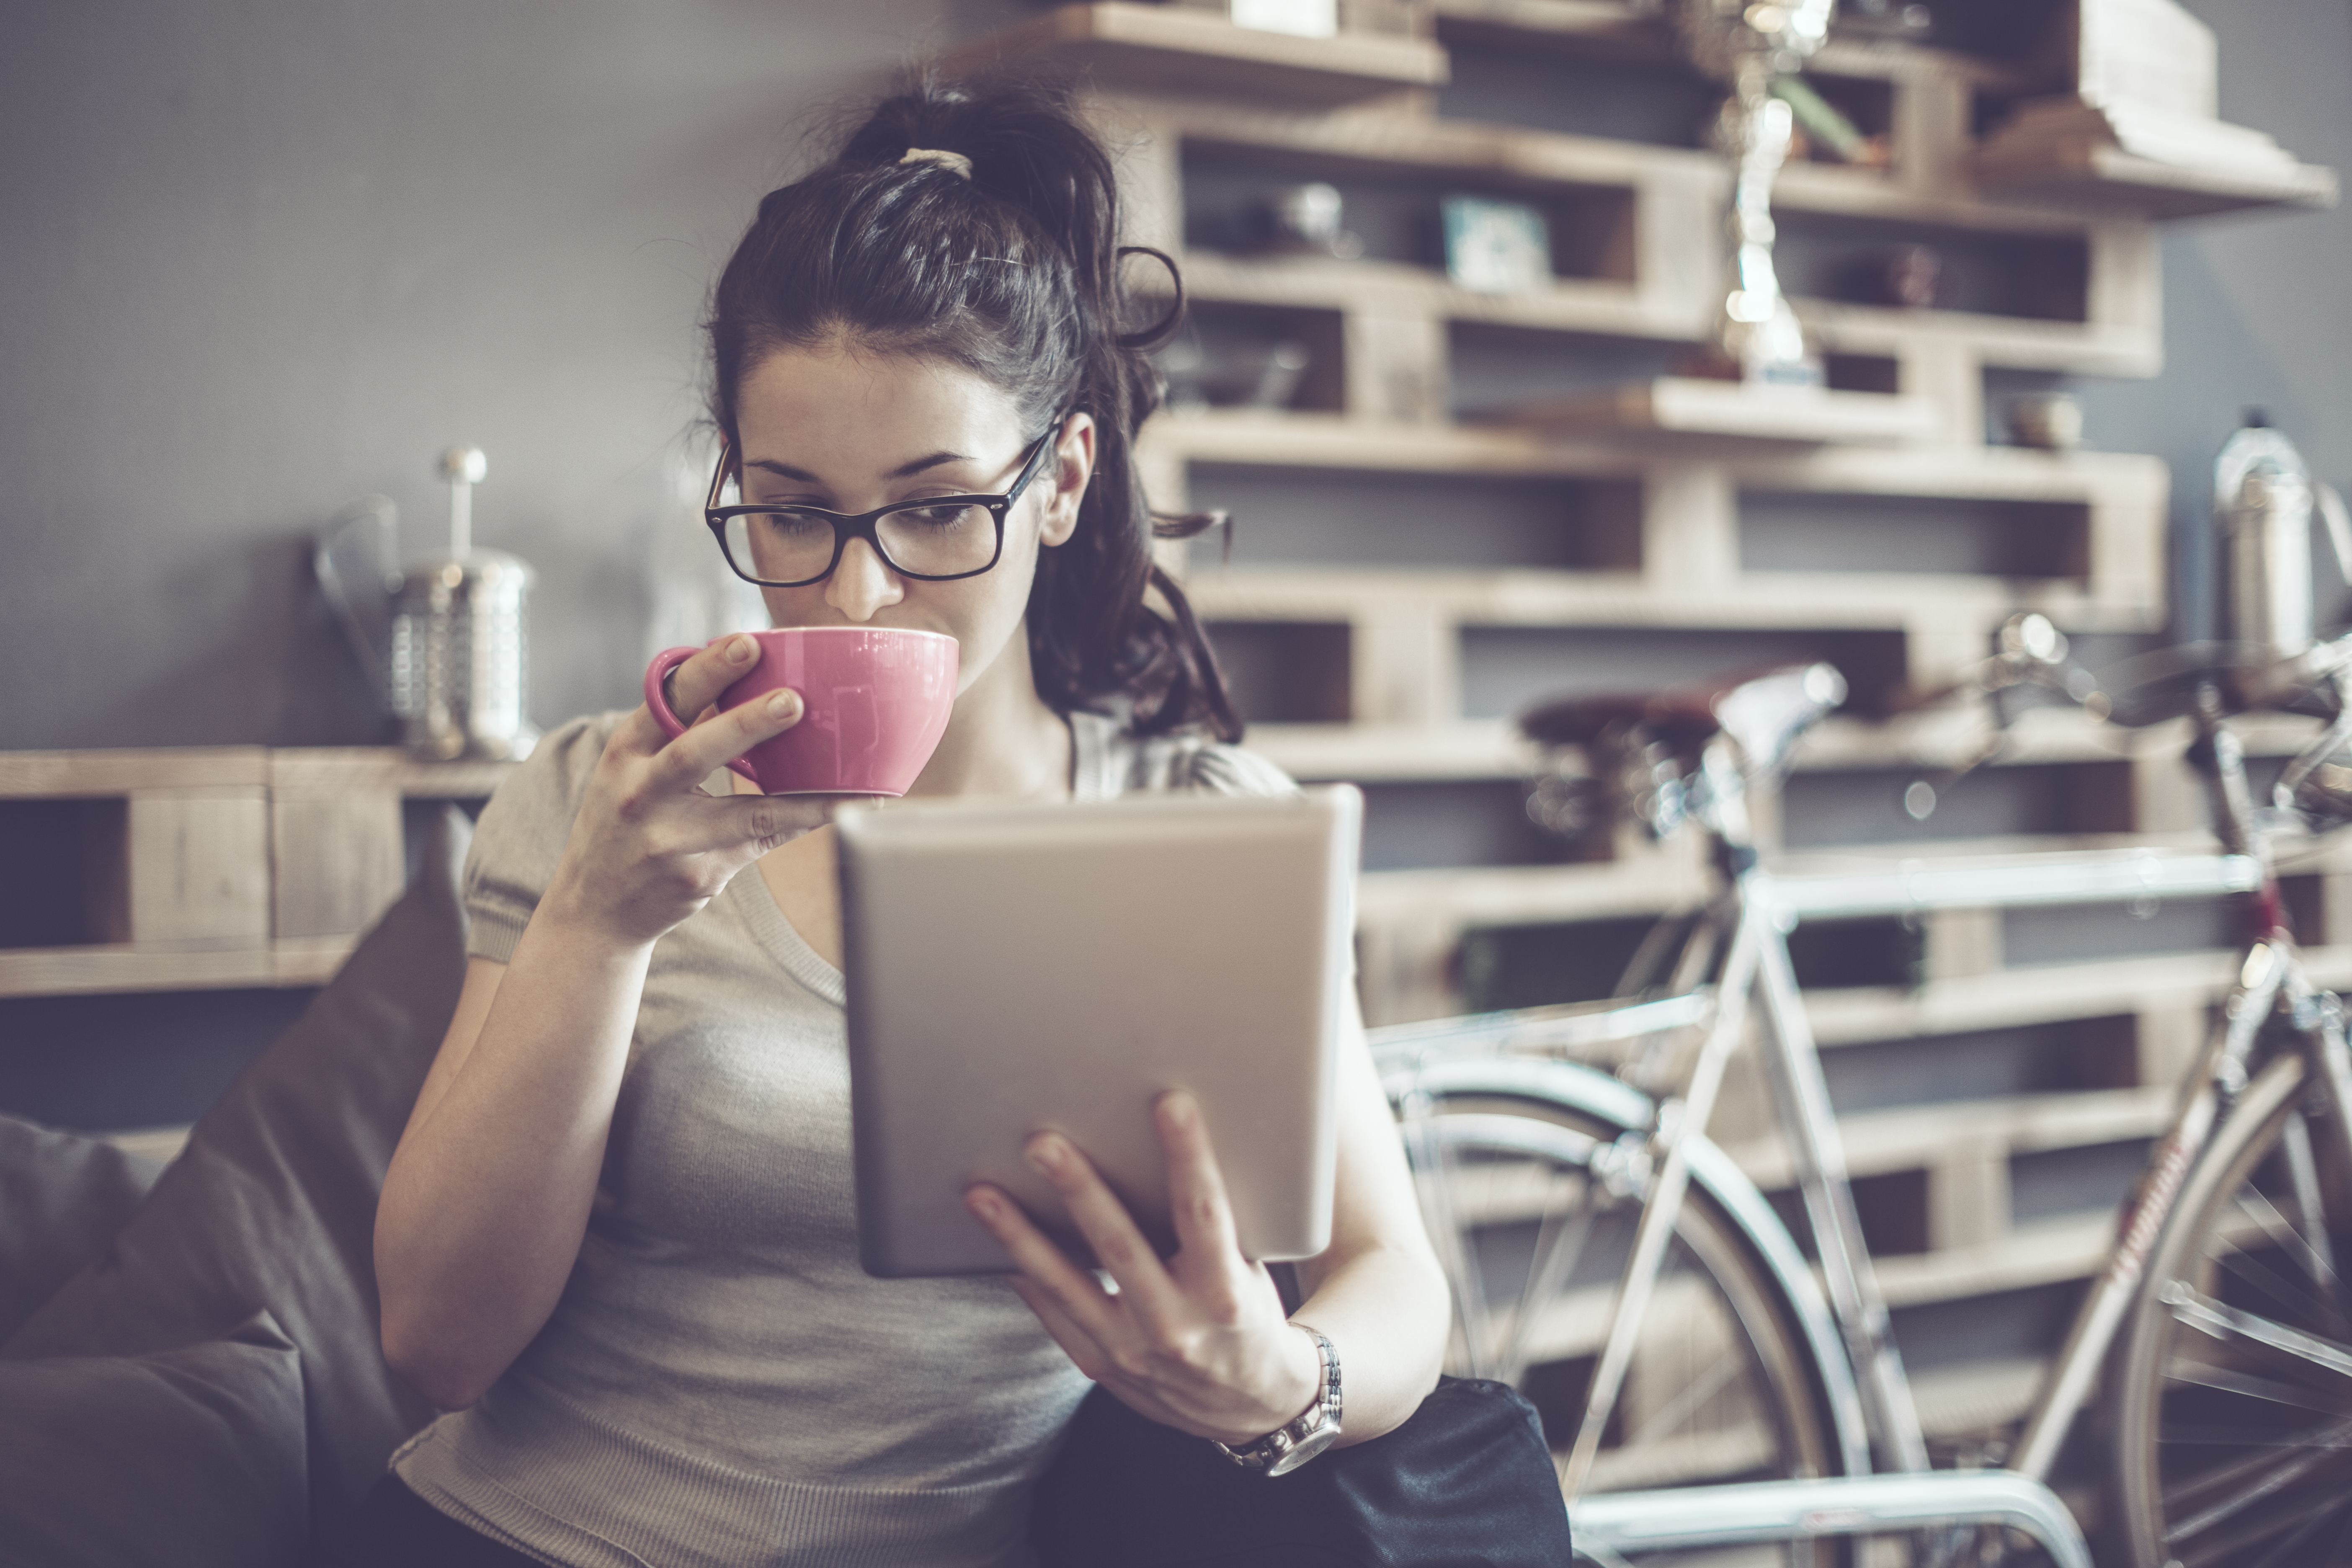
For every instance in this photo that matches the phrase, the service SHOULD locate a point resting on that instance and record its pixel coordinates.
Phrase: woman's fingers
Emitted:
(697, 682)
(1074, 1294)
(693, 756)
(1119, 1244)
(1196, 1185)
(726, 823)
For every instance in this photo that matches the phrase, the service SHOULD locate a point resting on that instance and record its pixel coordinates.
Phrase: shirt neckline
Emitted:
(1092, 757)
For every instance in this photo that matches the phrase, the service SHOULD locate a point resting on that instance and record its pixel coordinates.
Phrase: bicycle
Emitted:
(1589, 1229)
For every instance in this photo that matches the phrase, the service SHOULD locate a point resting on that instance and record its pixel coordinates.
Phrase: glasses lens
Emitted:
(938, 540)
(780, 546)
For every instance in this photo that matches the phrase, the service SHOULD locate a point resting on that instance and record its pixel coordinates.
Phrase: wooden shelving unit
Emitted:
(1674, 491)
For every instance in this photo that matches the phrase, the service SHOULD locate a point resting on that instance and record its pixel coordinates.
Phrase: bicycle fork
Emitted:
(1757, 952)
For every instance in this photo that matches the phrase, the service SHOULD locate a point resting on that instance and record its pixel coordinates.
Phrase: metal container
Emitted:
(445, 639)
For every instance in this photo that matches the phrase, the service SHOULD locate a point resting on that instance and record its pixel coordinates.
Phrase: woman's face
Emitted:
(849, 431)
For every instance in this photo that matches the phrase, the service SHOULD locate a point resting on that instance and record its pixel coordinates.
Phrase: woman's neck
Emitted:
(1004, 740)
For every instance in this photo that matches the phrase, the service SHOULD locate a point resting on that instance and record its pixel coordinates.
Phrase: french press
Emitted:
(445, 639)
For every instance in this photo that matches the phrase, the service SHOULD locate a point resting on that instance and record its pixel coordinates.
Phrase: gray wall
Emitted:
(258, 256)
(2256, 308)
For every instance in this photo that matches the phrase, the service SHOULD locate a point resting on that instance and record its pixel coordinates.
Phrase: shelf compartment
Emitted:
(1233, 355)
(1410, 825)
(1649, 95)
(1844, 258)
(1393, 209)
(1969, 536)
(1299, 515)
(1823, 810)
(1285, 673)
(1505, 668)
(1174, 49)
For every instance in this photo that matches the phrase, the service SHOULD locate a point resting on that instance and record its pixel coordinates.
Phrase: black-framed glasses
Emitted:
(936, 540)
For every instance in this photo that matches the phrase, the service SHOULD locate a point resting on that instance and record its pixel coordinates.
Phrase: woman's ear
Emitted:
(1072, 466)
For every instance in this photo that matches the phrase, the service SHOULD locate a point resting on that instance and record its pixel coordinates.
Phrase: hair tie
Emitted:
(953, 163)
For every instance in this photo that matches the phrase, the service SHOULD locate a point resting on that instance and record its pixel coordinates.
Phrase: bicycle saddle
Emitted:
(2242, 677)
(1764, 713)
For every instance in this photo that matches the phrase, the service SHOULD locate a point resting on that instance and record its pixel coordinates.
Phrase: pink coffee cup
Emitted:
(877, 700)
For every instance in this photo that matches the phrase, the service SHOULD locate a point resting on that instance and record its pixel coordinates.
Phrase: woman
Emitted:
(618, 1239)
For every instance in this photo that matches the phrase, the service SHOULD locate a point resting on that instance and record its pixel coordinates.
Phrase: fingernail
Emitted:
(783, 705)
(1181, 1110)
(983, 1205)
(740, 650)
(1046, 1153)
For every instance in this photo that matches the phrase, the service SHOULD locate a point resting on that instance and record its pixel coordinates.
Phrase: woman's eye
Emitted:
(795, 524)
(937, 516)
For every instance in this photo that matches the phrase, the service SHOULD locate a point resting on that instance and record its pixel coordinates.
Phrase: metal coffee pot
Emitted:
(445, 639)
(2263, 500)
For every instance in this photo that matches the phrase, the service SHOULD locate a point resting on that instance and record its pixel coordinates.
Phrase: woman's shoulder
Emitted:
(1125, 762)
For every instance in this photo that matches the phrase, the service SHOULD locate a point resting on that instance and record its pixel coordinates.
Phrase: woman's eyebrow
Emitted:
(903, 471)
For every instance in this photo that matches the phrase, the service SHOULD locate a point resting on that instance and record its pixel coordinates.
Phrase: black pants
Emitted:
(394, 1528)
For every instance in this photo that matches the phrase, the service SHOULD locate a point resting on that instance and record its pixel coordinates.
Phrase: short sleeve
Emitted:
(520, 841)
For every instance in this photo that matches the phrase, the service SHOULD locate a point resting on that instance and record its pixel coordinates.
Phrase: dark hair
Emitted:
(1014, 273)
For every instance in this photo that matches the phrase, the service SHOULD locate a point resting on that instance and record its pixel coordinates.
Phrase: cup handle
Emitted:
(658, 700)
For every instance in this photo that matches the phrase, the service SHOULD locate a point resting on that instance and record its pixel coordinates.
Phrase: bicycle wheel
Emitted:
(1532, 1204)
(2233, 1402)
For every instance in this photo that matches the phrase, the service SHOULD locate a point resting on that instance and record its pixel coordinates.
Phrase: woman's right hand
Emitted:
(650, 846)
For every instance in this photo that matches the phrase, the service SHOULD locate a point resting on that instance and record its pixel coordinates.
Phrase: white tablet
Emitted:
(1014, 968)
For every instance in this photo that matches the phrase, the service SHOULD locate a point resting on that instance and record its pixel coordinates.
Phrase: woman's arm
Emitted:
(489, 1193)
(1199, 1341)
(1376, 1293)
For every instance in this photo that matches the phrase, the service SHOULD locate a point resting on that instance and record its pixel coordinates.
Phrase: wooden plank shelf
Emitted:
(147, 966)
(1611, 28)
(1671, 407)
(2096, 175)
(1174, 49)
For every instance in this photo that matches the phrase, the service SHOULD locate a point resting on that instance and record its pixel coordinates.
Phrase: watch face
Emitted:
(1306, 1448)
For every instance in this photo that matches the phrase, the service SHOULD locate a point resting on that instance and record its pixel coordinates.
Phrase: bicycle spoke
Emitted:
(2291, 1240)
(2219, 1319)
(2244, 1267)
(1689, 1399)
(1560, 1243)
(2302, 1175)
(2279, 1559)
(2312, 1442)
(2228, 1380)
(2323, 1500)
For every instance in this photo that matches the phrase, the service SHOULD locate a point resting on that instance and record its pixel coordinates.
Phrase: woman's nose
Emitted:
(862, 583)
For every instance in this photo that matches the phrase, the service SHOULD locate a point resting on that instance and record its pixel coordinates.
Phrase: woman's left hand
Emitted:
(1199, 1341)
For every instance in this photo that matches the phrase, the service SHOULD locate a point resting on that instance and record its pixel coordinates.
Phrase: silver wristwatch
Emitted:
(1286, 1448)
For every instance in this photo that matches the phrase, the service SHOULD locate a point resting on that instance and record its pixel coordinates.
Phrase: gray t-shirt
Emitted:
(721, 1384)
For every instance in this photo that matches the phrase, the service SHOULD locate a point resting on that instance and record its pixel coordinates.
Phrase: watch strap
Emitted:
(1295, 1442)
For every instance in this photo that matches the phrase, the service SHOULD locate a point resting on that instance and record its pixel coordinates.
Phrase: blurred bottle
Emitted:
(2263, 501)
